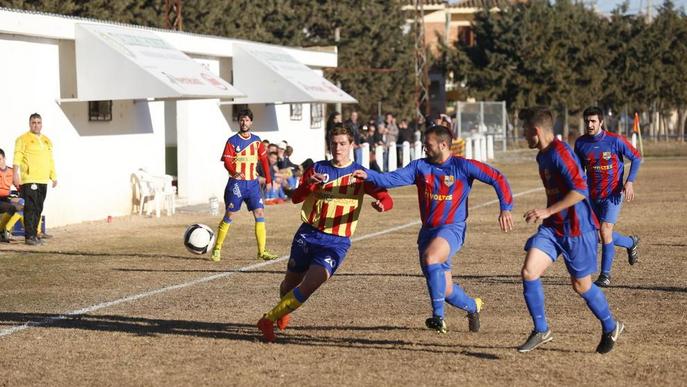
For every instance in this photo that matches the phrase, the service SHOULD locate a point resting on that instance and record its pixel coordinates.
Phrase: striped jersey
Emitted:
(560, 171)
(333, 207)
(602, 156)
(241, 155)
(442, 189)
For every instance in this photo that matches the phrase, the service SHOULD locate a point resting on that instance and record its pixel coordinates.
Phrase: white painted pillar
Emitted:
(379, 156)
(393, 157)
(468, 148)
(634, 140)
(406, 153)
(419, 152)
(490, 147)
(365, 162)
(478, 149)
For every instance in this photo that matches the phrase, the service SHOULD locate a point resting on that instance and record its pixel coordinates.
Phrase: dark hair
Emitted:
(443, 133)
(593, 111)
(244, 113)
(2, 153)
(340, 129)
(34, 115)
(274, 153)
(539, 116)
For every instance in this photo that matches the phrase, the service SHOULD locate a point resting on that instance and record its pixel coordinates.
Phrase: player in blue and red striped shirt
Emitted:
(569, 228)
(443, 183)
(602, 154)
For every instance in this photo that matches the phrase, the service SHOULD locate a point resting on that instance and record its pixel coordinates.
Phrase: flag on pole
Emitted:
(636, 129)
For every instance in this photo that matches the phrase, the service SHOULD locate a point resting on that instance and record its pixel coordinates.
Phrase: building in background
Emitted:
(116, 98)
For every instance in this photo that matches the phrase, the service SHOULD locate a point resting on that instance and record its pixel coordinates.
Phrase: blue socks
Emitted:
(460, 300)
(621, 240)
(436, 285)
(607, 255)
(596, 301)
(260, 219)
(534, 298)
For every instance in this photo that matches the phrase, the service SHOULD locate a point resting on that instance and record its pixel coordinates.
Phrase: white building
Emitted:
(166, 104)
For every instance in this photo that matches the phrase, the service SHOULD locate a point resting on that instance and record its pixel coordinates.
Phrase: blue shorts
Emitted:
(607, 210)
(453, 233)
(311, 246)
(239, 191)
(579, 252)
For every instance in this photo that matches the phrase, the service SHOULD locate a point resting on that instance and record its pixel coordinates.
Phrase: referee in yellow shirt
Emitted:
(34, 168)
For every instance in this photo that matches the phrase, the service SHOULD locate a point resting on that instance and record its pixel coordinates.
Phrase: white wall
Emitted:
(94, 160)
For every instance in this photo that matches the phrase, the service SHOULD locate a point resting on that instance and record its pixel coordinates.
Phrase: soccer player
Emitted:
(601, 154)
(241, 156)
(443, 183)
(332, 200)
(569, 228)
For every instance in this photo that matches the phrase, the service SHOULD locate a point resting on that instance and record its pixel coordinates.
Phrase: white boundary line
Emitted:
(92, 308)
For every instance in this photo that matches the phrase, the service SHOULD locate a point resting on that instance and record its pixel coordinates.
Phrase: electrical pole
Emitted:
(421, 70)
(173, 20)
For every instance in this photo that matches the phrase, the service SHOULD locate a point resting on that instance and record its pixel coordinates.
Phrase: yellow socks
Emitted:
(222, 231)
(260, 235)
(13, 220)
(286, 305)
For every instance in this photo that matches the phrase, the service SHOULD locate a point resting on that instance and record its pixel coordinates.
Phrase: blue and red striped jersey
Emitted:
(561, 173)
(602, 158)
(442, 189)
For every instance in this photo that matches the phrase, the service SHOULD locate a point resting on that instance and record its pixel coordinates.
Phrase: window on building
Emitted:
(235, 109)
(296, 111)
(100, 110)
(316, 114)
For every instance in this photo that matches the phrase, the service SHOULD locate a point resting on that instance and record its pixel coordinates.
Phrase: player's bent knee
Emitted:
(528, 275)
(581, 285)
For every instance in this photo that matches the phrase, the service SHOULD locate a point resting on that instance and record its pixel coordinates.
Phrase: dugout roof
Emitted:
(115, 63)
(269, 74)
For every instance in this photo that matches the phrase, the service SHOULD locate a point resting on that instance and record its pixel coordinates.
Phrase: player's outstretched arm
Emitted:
(569, 200)
(398, 178)
(496, 179)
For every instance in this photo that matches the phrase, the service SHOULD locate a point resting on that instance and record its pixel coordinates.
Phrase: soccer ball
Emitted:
(199, 238)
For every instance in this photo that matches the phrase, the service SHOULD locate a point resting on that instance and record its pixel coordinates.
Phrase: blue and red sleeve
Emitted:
(380, 194)
(496, 179)
(571, 170)
(631, 153)
(398, 178)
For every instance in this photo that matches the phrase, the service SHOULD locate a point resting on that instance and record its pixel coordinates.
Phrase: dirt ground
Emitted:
(123, 303)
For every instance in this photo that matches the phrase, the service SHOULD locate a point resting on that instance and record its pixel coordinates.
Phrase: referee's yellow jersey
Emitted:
(33, 155)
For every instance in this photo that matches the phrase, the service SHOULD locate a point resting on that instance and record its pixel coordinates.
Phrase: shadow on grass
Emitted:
(295, 335)
(41, 251)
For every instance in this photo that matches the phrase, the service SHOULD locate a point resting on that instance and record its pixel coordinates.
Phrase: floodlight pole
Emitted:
(173, 20)
(421, 70)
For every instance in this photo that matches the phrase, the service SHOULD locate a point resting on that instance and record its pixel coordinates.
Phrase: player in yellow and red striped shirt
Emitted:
(241, 156)
(332, 200)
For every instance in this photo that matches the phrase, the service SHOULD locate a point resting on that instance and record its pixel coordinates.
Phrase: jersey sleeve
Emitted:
(380, 194)
(581, 157)
(262, 156)
(228, 157)
(304, 188)
(631, 153)
(569, 167)
(398, 178)
(493, 177)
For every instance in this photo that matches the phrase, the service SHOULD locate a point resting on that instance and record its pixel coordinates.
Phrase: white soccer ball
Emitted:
(199, 238)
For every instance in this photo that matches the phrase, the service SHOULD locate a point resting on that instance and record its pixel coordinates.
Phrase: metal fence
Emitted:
(482, 118)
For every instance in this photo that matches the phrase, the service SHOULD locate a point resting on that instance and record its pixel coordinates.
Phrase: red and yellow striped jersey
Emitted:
(241, 157)
(333, 207)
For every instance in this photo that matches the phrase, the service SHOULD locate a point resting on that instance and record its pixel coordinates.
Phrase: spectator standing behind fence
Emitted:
(34, 167)
(354, 127)
(392, 128)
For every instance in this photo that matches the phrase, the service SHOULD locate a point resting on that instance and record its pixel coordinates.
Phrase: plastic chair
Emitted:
(155, 190)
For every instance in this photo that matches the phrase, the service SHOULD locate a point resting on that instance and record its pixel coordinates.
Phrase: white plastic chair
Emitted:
(155, 190)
